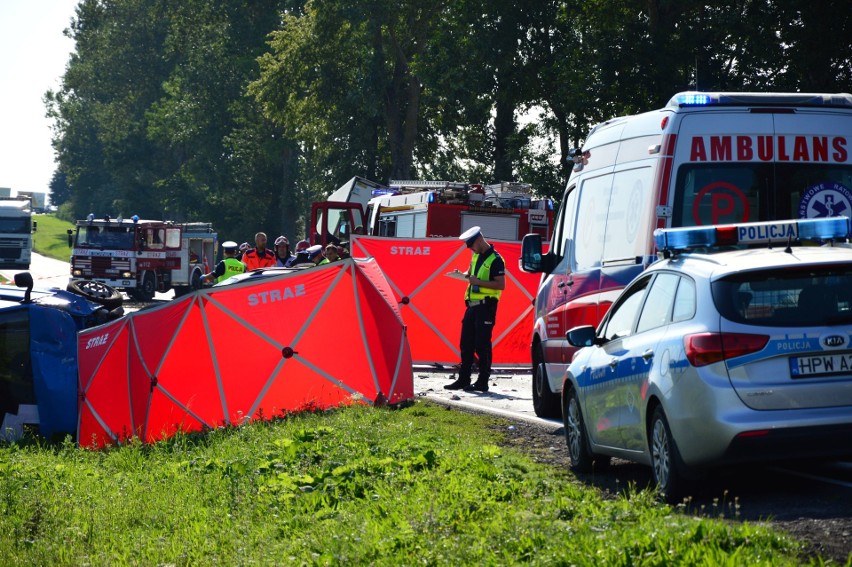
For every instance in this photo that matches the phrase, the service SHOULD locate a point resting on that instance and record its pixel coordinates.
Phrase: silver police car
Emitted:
(735, 346)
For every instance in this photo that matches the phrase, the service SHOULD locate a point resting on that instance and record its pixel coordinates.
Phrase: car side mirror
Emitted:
(25, 279)
(531, 258)
(583, 336)
(70, 237)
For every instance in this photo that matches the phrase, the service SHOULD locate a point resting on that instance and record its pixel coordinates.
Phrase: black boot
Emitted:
(481, 385)
(459, 384)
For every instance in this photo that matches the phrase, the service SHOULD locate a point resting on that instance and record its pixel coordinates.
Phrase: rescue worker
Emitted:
(283, 257)
(228, 267)
(259, 256)
(486, 281)
(331, 255)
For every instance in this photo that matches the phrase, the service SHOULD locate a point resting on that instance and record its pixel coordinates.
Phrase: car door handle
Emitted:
(647, 355)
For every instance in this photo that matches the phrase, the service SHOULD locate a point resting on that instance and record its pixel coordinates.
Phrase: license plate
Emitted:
(820, 365)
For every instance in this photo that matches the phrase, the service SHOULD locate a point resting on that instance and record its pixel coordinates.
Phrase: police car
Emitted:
(735, 346)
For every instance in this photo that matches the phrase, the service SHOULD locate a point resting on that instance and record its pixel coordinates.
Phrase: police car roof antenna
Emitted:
(789, 249)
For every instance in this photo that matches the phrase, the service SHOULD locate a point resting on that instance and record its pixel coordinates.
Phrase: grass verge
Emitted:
(421, 485)
(51, 238)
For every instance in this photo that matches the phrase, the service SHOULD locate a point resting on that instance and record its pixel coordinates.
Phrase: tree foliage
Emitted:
(241, 112)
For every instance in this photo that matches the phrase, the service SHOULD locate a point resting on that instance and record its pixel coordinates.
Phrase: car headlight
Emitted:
(126, 275)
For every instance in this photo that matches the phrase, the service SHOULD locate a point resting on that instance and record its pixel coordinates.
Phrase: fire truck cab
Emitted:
(142, 257)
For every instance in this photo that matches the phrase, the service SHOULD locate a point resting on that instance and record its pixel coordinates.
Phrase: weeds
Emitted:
(352, 486)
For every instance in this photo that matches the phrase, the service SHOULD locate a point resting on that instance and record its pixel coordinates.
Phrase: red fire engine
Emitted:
(142, 257)
(421, 209)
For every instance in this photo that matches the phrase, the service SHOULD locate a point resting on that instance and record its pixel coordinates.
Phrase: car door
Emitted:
(669, 297)
(602, 391)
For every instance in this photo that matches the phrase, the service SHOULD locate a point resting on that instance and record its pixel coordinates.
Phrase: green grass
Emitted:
(358, 485)
(51, 238)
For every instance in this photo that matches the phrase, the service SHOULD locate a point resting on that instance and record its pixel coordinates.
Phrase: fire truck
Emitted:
(422, 209)
(142, 257)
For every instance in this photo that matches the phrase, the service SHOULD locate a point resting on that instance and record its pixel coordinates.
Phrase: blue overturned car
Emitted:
(38, 352)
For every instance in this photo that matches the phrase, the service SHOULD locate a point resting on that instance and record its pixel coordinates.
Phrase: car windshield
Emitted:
(805, 297)
(16, 225)
(116, 238)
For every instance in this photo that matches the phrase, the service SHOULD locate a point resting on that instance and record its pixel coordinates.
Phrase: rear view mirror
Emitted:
(25, 279)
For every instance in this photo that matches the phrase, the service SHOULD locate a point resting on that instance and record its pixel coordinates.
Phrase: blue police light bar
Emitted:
(693, 99)
(752, 233)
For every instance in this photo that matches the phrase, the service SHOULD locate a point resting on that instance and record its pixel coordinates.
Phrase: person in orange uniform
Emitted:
(259, 256)
(486, 282)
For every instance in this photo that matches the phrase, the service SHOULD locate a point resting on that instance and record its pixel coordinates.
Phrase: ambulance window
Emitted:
(563, 231)
(591, 222)
(813, 190)
(722, 193)
(629, 217)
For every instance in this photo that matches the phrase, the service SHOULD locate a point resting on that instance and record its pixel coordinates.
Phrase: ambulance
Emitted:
(706, 158)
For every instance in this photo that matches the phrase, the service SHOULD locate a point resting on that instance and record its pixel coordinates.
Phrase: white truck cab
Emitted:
(706, 158)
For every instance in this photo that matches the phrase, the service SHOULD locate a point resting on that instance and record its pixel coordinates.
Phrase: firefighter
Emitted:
(486, 281)
(301, 253)
(283, 257)
(228, 267)
(259, 256)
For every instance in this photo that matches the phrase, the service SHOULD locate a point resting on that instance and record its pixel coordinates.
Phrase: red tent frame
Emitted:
(433, 305)
(315, 338)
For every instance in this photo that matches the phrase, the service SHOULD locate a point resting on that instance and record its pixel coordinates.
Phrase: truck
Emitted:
(16, 238)
(142, 257)
(38, 200)
(425, 209)
(706, 158)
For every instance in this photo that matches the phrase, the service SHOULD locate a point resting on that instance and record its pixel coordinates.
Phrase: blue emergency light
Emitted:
(777, 232)
(693, 99)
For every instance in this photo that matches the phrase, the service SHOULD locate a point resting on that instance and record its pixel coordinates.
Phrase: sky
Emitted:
(33, 54)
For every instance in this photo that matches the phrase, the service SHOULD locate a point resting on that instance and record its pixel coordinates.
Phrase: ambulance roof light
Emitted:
(672, 239)
(693, 98)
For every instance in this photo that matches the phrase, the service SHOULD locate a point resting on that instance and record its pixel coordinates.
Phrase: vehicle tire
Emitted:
(667, 469)
(149, 286)
(582, 458)
(545, 403)
(96, 292)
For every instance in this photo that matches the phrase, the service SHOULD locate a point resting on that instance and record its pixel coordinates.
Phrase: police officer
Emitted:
(486, 281)
(228, 267)
(259, 256)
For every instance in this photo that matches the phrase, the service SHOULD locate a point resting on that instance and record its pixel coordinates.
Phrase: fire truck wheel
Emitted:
(149, 286)
(96, 292)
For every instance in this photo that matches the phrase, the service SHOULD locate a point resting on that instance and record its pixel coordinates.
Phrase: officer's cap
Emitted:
(470, 235)
(314, 251)
(229, 246)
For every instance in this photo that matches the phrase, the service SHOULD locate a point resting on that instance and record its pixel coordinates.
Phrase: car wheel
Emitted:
(575, 434)
(545, 402)
(96, 292)
(666, 466)
(148, 288)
